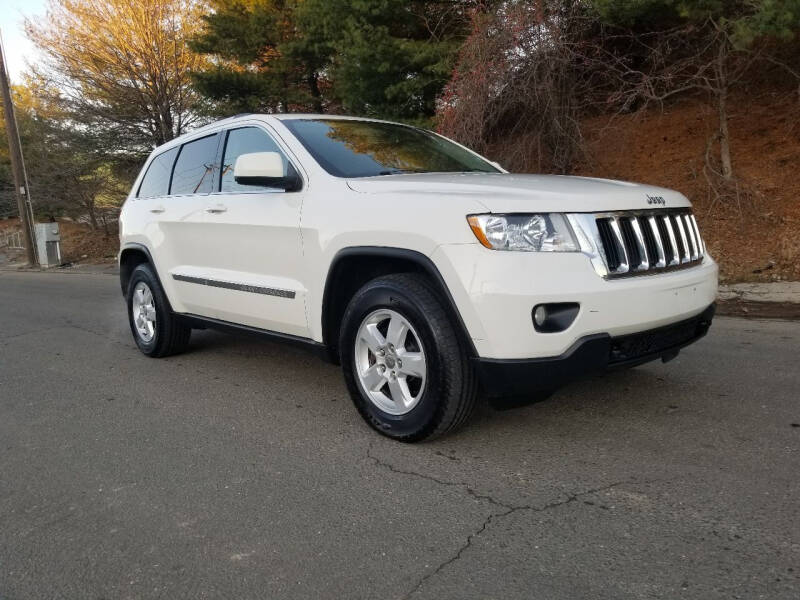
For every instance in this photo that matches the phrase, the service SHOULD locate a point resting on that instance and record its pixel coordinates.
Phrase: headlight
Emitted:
(548, 232)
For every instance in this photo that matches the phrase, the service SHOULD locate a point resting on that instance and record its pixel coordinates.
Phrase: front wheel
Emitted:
(405, 366)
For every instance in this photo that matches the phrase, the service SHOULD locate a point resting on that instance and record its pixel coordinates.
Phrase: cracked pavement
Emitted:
(241, 470)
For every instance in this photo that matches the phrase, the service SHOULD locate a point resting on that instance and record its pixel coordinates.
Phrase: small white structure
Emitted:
(48, 244)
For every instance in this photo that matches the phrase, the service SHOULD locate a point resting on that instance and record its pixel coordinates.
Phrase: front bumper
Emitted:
(495, 293)
(590, 355)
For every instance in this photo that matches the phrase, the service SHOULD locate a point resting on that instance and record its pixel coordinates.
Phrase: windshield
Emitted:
(350, 148)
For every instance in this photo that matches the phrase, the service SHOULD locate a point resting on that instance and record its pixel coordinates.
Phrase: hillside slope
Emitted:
(758, 240)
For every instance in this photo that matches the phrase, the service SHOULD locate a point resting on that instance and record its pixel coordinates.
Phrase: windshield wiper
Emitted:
(401, 171)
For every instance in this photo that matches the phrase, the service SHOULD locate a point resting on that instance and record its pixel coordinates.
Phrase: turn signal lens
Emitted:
(474, 223)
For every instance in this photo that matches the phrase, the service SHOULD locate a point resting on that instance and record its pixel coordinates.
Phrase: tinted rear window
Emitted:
(156, 180)
(352, 148)
(194, 170)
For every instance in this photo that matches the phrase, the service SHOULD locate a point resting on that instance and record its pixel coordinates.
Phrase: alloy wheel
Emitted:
(390, 361)
(143, 311)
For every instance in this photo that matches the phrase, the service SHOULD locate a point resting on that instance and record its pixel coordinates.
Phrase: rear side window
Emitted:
(244, 141)
(156, 180)
(194, 170)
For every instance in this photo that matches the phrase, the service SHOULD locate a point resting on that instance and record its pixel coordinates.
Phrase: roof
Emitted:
(291, 116)
(194, 133)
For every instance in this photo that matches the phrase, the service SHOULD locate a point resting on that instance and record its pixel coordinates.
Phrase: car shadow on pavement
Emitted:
(629, 394)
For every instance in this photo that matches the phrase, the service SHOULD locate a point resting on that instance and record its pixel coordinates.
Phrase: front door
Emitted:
(254, 232)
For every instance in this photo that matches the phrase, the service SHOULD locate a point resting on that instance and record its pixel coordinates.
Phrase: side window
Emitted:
(194, 169)
(156, 180)
(245, 141)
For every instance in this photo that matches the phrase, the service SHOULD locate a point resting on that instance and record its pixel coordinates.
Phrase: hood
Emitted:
(507, 192)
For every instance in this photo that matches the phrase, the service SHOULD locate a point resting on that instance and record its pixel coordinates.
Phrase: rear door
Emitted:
(180, 231)
(254, 244)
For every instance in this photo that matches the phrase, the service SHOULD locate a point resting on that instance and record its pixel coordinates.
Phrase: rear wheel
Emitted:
(156, 330)
(405, 366)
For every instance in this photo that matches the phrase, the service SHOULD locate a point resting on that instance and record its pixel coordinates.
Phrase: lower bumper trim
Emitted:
(589, 355)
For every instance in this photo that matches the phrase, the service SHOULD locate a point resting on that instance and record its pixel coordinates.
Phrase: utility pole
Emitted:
(17, 163)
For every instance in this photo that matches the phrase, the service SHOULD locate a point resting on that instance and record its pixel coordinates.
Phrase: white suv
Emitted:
(428, 271)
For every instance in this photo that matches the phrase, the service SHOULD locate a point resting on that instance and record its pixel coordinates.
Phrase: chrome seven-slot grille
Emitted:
(641, 243)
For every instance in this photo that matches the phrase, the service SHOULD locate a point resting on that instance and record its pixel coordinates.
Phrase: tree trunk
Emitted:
(316, 95)
(167, 125)
(284, 94)
(724, 136)
(721, 94)
(92, 215)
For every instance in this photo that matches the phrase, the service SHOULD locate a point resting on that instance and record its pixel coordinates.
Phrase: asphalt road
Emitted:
(241, 470)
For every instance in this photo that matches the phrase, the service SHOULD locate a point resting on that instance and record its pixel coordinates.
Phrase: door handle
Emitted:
(157, 209)
(216, 209)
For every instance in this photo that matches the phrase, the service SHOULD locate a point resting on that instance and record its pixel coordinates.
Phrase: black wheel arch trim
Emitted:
(135, 246)
(413, 256)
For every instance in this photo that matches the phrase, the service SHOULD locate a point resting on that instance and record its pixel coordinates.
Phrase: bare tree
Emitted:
(695, 57)
(123, 64)
(521, 79)
(531, 70)
(675, 62)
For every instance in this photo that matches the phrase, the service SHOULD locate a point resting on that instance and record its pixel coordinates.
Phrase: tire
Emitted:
(166, 334)
(437, 402)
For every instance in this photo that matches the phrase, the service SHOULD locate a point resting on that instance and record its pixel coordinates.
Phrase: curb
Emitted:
(773, 300)
(74, 270)
(750, 309)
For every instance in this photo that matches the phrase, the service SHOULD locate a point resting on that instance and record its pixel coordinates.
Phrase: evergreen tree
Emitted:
(392, 57)
(260, 59)
(387, 58)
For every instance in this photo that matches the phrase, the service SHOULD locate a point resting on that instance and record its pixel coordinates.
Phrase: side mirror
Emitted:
(265, 169)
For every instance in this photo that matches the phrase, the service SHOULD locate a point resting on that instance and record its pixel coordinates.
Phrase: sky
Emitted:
(17, 46)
